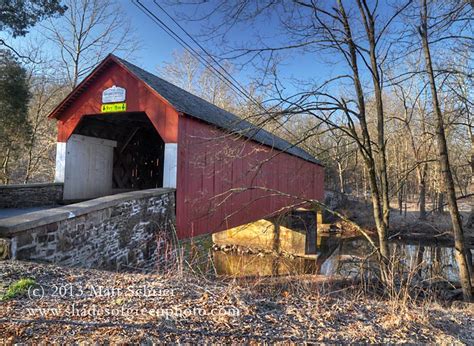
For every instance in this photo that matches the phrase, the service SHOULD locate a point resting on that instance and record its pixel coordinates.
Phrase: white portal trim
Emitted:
(60, 162)
(170, 165)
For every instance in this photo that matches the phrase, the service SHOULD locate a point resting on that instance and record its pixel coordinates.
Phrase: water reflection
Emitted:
(233, 264)
(340, 256)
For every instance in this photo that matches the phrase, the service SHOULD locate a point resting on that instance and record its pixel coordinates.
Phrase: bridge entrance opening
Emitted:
(113, 153)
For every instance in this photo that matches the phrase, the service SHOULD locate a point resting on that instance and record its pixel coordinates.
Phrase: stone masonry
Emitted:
(30, 195)
(113, 232)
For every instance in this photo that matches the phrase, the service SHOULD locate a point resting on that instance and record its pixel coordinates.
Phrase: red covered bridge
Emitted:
(124, 128)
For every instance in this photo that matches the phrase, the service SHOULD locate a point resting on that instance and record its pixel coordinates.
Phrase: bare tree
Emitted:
(341, 152)
(414, 120)
(88, 31)
(38, 158)
(460, 246)
(186, 71)
(183, 71)
(368, 16)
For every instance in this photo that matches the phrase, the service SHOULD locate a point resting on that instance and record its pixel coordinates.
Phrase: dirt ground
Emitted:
(77, 305)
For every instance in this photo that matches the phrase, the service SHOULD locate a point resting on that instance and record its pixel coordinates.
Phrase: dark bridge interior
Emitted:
(138, 157)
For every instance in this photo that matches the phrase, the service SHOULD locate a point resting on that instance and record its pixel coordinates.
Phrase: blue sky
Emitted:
(157, 46)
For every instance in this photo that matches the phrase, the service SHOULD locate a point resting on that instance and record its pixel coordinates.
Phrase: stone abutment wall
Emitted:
(114, 232)
(30, 195)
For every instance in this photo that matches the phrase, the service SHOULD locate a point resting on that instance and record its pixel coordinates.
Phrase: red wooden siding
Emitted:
(211, 161)
(140, 98)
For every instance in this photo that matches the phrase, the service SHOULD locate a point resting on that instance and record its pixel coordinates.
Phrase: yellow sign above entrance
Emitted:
(113, 107)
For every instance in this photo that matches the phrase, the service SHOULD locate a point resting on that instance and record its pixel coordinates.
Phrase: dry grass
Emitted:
(274, 309)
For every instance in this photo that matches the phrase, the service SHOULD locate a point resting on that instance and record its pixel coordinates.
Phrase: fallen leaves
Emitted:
(198, 310)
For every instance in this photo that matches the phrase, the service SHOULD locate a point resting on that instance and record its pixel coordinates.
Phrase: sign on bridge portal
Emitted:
(114, 94)
(113, 107)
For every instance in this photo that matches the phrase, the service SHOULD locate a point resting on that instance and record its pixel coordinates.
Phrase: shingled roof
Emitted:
(199, 108)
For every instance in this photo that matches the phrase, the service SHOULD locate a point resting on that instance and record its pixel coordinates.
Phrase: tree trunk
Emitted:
(422, 200)
(460, 248)
(440, 203)
(29, 163)
(365, 185)
(470, 221)
(369, 22)
(400, 197)
(421, 173)
(419, 261)
(341, 178)
(6, 162)
(379, 222)
(366, 151)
